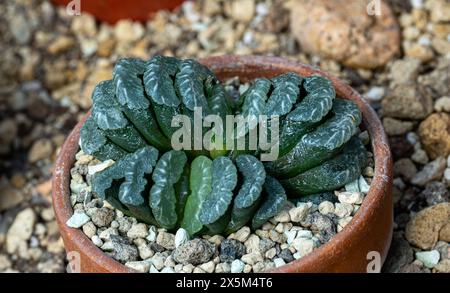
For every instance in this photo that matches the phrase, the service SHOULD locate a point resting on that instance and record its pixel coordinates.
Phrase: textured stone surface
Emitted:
(434, 134)
(423, 229)
(343, 31)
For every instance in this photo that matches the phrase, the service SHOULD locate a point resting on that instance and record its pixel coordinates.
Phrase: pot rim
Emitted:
(233, 65)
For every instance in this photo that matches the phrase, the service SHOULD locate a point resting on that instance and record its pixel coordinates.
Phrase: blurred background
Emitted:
(396, 53)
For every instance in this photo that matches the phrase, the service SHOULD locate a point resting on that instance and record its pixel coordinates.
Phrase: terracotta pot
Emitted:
(369, 231)
(113, 10)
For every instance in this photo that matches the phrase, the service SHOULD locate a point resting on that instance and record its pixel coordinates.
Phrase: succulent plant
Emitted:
(215, 191)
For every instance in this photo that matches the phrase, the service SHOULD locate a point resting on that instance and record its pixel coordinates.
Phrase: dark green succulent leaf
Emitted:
(92, 138)
(145, 122)
(158, 80)
(274, 201)
(134, 168)
(128, 83)
(224, 180)
(189, 83)
(285, 93)
(182, 191)
(246, 201)
(163, 199)
(218, 101)
(127, 138)
(105, 109)
(94, 142)
(333, 174)
(201, 186)
(164, 116)
(317, 103)
(336, 131)
(130, 170)
(320, 144)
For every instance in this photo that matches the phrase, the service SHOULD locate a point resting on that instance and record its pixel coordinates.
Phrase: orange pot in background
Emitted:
(113, 10)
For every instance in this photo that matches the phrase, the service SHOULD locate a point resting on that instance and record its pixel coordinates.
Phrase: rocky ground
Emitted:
(399, 61)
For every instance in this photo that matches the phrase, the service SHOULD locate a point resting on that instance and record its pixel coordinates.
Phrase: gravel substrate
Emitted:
(296, 231)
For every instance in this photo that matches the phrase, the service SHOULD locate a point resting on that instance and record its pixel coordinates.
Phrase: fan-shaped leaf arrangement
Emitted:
(208, 191)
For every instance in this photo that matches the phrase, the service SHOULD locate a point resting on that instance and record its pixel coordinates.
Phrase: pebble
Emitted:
(252, 258)
(423, 229)
(282, 217)
(237, 266)
(78, 219)
(167, 270)
(10, 197)
(319, 25)
(196, 251)
(303, 245)
(434, 135)
(97, 241)
(375, 94)
(139, 266)
(166, 240)
(286, 255)
(326, 208)
(343, 222)
(103, 217)
(181, 237)
(121, 249)
(151, 234)
(406, 101)
(350, 197)
(208, 267)
(89, 229)
(431, 171)
(429, 258)
(223, 268)
(231, 249)
(242, 234)
(299, 213)
(343, 210)
(158, 260)
(92, 169)
(279, 262)
(41, 149)
(252, 243)
(271, 253)
(153, 270)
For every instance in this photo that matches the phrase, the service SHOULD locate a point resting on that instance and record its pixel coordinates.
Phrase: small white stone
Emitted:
(429, 258)
(343, 210)
(140, 266)
(412, 138)
(297, 255)
(167, 270)
(303, 245)
(198, 270)
(208, 266)
(153, 270)
(279, 262)
(237, 266)
(242, 234)
(181, 237)
(290, 236)
(363, 186)
(188, 268)
(352, 186)
(350, 197)
(300, 212)
(97, 241)
(326, 207)
(223, 268)
(247, 269)
(271, 253)
(151, 234)
(78, 219)
(252, 258)
(100, 167)
(106, 234)
(304, 234)
(447, 175)
(138, 231)
(282, 217)
(375, 94)
(343, 222)
(158, 260)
